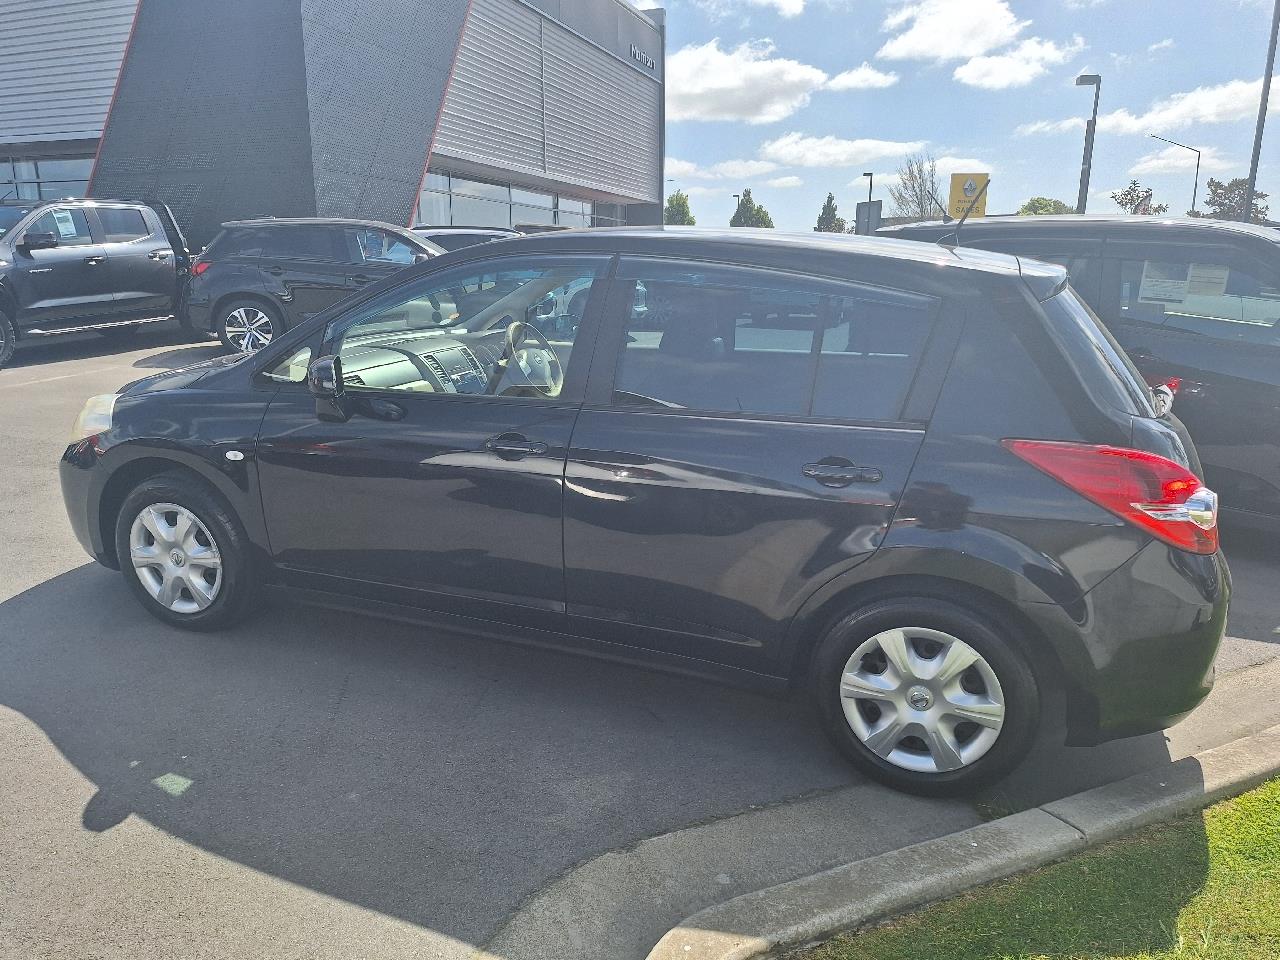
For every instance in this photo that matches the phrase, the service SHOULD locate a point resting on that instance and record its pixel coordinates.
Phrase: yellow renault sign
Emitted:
(964, 187)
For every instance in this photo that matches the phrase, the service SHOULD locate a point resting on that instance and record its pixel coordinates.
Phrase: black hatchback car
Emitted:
(259, 278)
(921, 485)
(1192, 301)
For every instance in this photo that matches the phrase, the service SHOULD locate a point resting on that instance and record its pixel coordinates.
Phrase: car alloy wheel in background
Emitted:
(247, 328)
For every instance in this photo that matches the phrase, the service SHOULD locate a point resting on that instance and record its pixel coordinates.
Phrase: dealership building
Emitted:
(477, 112)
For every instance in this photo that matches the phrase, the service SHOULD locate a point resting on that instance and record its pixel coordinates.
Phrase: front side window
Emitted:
(735, 342)
(121, 226)
(1226, 301)
(371, 245)
(504, 330)
(70, 226)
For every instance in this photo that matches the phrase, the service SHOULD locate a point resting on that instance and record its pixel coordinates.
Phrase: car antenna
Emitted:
(946, 214)
(967, 210)
(12, 191)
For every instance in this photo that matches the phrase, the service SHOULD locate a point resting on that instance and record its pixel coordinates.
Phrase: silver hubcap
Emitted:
(175, 558)
(922, 699)
(248, 329)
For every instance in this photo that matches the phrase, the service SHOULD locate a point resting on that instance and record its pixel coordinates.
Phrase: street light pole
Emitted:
(1195, 190)
(871, 182)
(1247, 213)
(1095, 81)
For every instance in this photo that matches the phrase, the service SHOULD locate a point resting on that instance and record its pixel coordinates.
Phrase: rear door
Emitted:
(306, 268)
(743, 443)
(66, 283)
(141, 260)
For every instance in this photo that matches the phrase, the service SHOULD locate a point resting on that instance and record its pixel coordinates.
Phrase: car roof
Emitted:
(1096, 224)
(752, 245)
(427, 228)
(316, 221)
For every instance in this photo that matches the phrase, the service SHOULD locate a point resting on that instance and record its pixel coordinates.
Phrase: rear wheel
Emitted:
(926, 696)
(246, 326)
(185, 555)
(8, 338)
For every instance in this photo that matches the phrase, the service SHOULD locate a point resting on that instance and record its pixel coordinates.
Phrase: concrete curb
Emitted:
(849, 896)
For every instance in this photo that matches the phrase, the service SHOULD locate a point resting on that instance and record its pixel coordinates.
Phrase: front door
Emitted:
(1209, 315)
(69, 282)
(749, 448)
(445, 487)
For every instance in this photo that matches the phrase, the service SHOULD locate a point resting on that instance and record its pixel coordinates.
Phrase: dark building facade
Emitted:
(485, 112)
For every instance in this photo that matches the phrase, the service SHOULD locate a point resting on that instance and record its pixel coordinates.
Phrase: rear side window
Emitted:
(121, 226)
(236, 242)
(747, 341)
(302, 242)
(1111, 374)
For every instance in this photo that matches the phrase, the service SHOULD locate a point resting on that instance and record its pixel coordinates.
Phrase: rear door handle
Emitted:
(515, 446)
(160, 254)
(361, 279)
(840, 474)
(94, 261)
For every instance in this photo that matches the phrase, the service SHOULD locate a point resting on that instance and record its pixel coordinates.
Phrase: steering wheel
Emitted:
(535, 366)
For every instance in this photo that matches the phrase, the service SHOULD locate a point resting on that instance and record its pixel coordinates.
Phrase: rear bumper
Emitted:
(1138, 649)
(197, 313)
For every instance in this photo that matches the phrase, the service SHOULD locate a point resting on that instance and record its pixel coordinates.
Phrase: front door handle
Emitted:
(161, 255)
(837, 472)
(94, 261)
(515, 446)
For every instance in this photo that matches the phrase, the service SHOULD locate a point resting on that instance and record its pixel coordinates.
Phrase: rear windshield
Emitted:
(1117, 380)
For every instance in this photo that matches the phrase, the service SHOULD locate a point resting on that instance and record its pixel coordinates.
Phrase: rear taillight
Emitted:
(1152, 492)
(199, 267)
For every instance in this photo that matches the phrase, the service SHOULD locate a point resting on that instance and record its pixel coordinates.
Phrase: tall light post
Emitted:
(1247, 213)
(1195, 189)
(871, 182)
(1095, 81)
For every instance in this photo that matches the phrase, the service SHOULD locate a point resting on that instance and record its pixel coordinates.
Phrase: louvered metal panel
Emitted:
(493, 111)
(58, 65)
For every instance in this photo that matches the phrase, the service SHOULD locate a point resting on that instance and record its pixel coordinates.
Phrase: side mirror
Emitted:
(422, 258)
(38, 241)
(324, 380)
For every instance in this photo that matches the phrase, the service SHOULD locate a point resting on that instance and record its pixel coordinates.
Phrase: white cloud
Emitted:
(1177, 160)
(865, 77)
(746, 84)
(942, 30)
(1050, 126)
(800, 150)
(948, 165)
(784, 182)
(1166, 44)
(724, 8)
(724, 170)
(1224, 103)
(1017, 66)
(697, 191)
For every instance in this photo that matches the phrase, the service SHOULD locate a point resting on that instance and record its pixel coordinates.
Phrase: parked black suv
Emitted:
(69, 266)
(1194, 301)
(922, 485)
(259, 278)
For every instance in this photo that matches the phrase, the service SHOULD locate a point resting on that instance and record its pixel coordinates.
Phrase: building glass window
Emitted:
(474, 212)
(448, 200)
(433, 209)
(51, 179)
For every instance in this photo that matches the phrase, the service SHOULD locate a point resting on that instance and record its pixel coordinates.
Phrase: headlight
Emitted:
(95, 418)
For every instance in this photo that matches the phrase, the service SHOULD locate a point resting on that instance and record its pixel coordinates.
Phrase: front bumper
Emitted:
(80, 474)
(1138, 649)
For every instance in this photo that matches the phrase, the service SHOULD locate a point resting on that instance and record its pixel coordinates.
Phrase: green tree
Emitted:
(678, 212)
(1043, 206)
(829, 220)
(1135, 198)
(750, 213)
(1226, 201)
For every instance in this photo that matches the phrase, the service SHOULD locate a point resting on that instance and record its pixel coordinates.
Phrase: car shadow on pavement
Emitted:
(432, 777)
(181, 357)
(38, 351)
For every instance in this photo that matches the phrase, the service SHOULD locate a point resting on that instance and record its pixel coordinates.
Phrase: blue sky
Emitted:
(798, 97)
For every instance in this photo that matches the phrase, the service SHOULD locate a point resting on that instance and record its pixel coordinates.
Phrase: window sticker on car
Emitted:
(66, 224)
(1163, 282)
(1207, 280)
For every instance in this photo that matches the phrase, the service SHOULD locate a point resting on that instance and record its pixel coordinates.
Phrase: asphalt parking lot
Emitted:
(315, 784)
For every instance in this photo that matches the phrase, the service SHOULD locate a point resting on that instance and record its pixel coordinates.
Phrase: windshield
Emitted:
(9, 217)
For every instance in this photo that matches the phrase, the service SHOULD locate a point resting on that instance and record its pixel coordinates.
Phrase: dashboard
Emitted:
(429, 364)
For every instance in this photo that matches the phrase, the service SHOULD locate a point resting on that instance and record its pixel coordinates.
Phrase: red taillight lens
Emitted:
(199, 267)
(1152, 492)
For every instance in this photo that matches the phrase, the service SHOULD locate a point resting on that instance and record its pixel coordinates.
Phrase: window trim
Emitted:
(610, 346)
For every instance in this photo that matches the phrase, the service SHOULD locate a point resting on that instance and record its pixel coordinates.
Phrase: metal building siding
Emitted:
(501, 51)
(530, 96)
(602, 118)
(58, 65)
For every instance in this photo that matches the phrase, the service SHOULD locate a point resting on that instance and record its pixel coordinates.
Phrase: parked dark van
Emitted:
(920, 485)
(1195, 301)
(260, 278)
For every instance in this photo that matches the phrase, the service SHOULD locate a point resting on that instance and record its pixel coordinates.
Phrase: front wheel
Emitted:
(185, 555)
(925, 696)
(246, 326)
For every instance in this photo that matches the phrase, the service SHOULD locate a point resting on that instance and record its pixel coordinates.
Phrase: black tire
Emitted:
(227, 314)
(985, 634)
(239, 590)
(8, 338)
